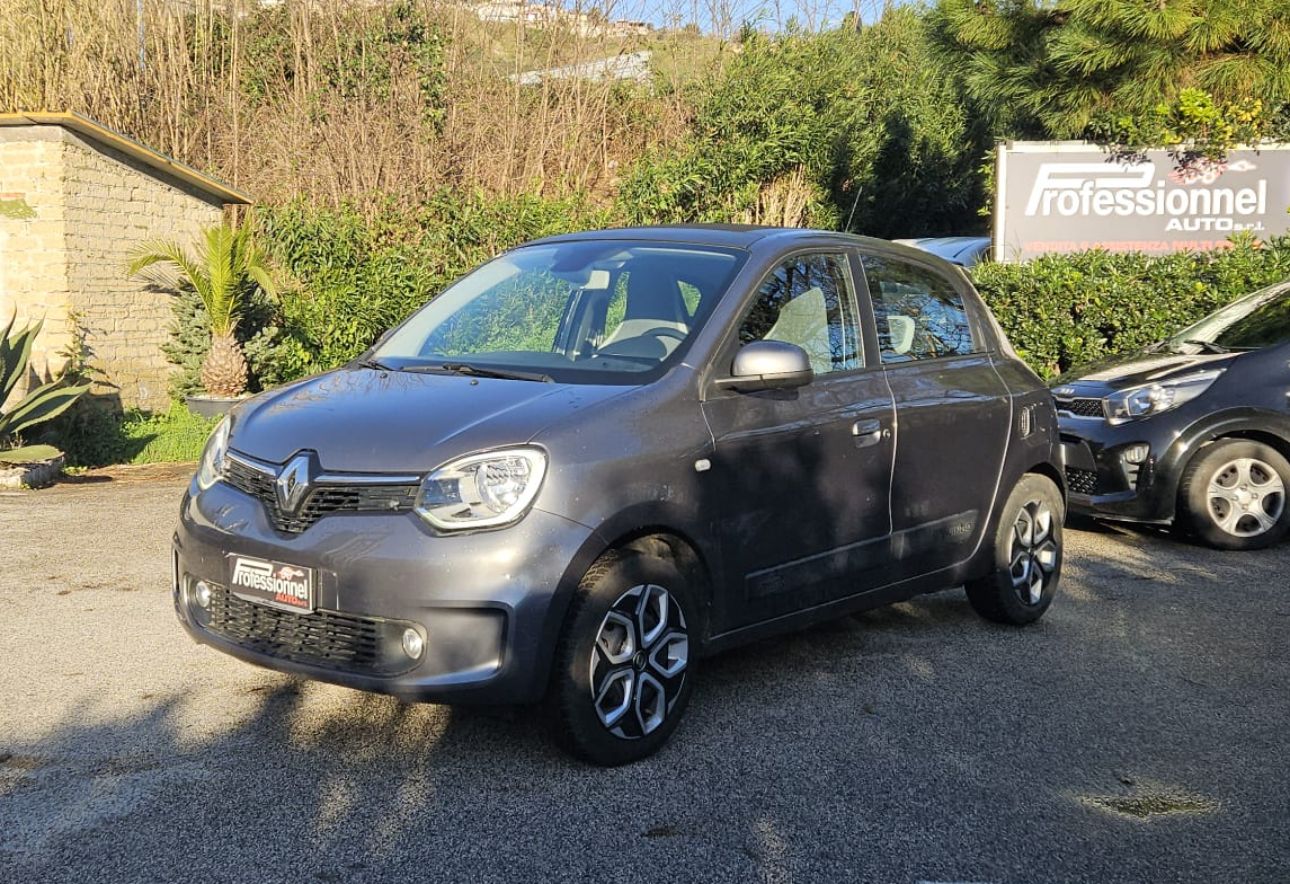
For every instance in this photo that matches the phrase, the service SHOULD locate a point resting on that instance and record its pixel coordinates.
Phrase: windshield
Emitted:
(599, 312)
(1251, 322)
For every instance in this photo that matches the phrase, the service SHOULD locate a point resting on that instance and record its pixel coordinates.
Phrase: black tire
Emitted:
(1027, 568)
(1253, 514)
(584, 670)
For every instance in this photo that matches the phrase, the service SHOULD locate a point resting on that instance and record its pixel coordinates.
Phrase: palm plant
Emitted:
(225, 271)
(39, 405)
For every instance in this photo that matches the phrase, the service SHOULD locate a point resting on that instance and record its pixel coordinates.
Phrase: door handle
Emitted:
(867, 433)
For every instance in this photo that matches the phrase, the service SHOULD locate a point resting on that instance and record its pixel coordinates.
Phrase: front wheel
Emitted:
(623, 666)
(1027, 555)
(1233, 495)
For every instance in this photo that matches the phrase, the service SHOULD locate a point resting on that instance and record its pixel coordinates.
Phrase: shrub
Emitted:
(1061, 311)
(849, 129)
(359, 274)
(228, 269)
(95, 437)
(38, 405)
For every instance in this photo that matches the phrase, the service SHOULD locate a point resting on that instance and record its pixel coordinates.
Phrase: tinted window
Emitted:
(807, 301)
(919, 313)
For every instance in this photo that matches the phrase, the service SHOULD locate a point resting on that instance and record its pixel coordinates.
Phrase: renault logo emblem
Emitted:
(292, 485)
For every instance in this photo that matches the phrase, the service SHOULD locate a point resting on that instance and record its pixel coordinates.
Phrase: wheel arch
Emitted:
(1254, 425)
(669, 543)
(1050, 471)
(652, 529)
(982, 560)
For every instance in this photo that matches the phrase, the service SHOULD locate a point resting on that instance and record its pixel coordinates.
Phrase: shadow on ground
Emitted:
(910, 743)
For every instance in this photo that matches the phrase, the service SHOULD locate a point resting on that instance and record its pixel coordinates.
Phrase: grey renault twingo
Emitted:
(602, 456)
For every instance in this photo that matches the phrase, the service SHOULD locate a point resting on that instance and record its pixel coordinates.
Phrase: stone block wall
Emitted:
(72, 211)
(33, 247)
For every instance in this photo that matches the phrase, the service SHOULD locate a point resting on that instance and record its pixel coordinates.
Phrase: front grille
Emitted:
(1081, 481)
(1081, 407)
(322, 500)
(330, 639)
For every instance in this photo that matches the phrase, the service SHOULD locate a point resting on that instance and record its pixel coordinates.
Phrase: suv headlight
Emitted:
(211, 467)
(1149, 399)
(482, 490)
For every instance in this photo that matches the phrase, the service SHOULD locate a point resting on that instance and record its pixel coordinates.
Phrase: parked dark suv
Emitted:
(601, 456)
(1192, 431)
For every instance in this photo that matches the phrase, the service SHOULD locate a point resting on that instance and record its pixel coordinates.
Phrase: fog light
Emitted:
(413, 643)
(1136, 453)
(202, 593)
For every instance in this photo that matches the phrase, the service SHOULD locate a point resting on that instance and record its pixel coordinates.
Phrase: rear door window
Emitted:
(920, 314)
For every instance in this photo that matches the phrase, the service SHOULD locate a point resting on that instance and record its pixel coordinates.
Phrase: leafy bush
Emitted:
(359, 275)
(849, 129)
(95, 437)
(1061, 311)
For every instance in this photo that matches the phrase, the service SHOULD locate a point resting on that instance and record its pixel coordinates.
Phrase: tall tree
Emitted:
(1213, 71)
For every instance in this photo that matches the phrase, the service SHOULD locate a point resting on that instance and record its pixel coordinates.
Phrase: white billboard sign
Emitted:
(1056, 196)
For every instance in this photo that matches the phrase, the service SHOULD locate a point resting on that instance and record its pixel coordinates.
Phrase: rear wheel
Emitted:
(1233, 495)
(623, 666)
(1027, 555)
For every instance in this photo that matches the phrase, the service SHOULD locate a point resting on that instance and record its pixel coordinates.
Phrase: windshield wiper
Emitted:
(373, 364)
(480, 371)
(1208, 346)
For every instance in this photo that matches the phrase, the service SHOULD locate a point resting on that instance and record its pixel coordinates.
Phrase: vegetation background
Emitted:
(391, 147)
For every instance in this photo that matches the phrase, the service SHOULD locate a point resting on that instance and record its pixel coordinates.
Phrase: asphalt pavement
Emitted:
(1140, 732)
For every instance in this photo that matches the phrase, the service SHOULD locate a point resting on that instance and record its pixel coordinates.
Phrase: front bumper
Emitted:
(489, 604)
(1102, 481)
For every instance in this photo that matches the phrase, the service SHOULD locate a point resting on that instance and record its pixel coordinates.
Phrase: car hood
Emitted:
(1132, 370)
(370, 421)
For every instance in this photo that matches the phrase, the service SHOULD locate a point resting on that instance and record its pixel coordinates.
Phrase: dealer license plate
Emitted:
(275, 584)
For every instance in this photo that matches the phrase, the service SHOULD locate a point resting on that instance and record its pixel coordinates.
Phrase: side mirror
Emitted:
(768, 365)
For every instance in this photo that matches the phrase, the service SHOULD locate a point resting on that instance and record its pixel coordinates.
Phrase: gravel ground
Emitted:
(915, 743)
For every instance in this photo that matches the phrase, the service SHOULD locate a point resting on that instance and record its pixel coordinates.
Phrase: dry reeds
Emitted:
(335, 100)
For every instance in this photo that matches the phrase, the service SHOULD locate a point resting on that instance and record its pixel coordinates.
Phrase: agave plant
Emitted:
(39, 405)
(225, 271)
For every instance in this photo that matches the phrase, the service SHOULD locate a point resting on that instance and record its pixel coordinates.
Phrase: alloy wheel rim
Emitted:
(639, 661)
(1246, 497)
(1035, 552)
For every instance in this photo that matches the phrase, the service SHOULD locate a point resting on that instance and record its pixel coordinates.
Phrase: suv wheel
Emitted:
(623, 666)
(1027, 555)
(1233, 495)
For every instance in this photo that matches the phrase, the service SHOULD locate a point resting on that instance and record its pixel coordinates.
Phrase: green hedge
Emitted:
(357, 273)
(1061, 311)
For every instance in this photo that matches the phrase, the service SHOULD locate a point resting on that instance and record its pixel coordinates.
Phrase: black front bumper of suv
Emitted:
(1104, 476)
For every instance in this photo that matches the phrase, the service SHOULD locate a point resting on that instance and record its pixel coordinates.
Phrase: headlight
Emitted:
(211, 468)
(482, 490)
(1136, 402)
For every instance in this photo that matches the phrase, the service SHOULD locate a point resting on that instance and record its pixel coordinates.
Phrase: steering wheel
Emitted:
(663, 331)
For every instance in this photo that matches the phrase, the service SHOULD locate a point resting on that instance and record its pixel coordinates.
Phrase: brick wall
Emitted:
(64, 245)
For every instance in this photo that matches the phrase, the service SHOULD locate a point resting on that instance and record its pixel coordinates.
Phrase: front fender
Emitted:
(1229, 422)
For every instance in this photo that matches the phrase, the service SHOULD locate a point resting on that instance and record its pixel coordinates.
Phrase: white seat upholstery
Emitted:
(900, 331)
(635, 330)
(804, 321)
